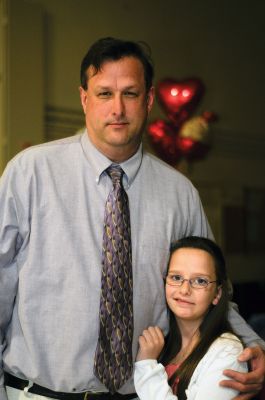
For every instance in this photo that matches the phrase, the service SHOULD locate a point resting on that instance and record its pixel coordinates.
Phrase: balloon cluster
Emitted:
(181, 136)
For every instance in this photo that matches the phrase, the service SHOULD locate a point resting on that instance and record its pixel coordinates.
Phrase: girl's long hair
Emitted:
(213, 325)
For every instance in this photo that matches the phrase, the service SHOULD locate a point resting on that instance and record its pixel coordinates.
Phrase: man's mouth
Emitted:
(118, 123)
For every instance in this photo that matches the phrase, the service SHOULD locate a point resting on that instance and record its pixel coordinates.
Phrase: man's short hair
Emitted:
(111, 49)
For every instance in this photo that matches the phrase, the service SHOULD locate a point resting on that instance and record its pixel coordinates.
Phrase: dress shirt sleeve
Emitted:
(201, 227)
(198, 222)
(239, 325)
(151, 381)
(222, 355)
(10, 242)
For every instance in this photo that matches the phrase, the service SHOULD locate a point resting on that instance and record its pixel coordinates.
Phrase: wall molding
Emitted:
(61, 122)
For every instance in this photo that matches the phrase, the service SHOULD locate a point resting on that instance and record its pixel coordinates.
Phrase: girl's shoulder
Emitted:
(229, 336)
(222, 354)
(224, 350)
(226, 341)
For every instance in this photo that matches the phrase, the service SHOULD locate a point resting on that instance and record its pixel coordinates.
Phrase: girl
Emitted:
(200, 343)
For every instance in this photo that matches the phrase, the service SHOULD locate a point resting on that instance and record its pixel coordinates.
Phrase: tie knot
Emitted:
(115, 172)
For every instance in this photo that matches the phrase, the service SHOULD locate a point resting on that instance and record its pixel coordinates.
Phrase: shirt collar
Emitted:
(99, 163)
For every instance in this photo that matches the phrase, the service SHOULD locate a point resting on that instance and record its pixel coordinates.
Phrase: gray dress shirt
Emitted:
(52, 199)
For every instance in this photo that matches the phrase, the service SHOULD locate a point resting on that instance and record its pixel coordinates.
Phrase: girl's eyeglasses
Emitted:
(197, 283)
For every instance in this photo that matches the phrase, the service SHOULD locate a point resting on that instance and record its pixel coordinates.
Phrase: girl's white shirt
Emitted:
(151, 380)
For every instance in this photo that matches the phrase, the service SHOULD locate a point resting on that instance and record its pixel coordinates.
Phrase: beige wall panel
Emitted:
(26, 76)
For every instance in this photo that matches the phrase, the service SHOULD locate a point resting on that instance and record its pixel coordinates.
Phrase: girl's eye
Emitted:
(201, 281)
(176, 277)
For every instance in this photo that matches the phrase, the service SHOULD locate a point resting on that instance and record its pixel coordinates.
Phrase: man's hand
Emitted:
(151, 343)
(250, 383)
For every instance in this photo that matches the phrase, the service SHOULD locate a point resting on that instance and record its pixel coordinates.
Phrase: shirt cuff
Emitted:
(259, 343)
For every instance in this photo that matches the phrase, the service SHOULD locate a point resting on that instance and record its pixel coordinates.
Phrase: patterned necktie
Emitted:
(113, 359)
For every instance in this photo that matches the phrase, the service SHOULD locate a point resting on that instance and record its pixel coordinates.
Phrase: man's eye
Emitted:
(130, 94)
(104, 94)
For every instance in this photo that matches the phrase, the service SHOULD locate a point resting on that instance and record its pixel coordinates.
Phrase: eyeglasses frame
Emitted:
(190, 282)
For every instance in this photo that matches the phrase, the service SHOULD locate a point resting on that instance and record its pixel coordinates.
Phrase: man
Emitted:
(52, 202)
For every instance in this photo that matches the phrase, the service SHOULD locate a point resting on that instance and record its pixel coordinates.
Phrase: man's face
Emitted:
(116, 106)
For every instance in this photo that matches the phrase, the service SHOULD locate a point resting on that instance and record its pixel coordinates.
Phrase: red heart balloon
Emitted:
(163, 137)
(179, 98)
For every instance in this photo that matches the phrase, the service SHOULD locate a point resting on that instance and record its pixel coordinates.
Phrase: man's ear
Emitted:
(217, 296)
(150, 98)
(83, 98)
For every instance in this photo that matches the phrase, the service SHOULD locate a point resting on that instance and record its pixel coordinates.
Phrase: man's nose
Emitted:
(118, 106)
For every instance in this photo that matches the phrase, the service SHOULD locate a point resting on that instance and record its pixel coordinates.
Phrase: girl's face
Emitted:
(186, 302)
